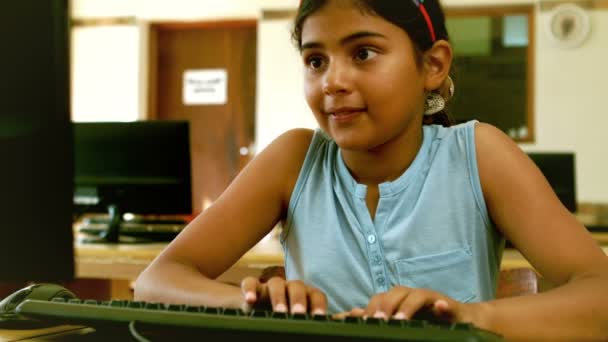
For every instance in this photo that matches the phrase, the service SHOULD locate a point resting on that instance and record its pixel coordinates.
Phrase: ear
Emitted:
(437, 63)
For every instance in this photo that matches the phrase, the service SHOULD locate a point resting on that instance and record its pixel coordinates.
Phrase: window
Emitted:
(493, 67)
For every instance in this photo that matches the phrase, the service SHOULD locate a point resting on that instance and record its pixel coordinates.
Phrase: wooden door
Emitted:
(220, 134)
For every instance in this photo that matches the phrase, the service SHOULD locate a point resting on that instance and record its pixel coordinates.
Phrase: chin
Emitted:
(351, 141)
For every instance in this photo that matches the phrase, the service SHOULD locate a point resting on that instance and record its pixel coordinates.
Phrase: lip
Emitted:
(345, 114)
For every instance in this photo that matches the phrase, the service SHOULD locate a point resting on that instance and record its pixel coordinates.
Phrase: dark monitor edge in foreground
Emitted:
(35, 143)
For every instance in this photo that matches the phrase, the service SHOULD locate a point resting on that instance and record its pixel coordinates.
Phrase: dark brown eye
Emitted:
(364, 54)
(315, 62)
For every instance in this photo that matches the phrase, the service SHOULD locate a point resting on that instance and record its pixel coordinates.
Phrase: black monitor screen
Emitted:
(36, 165)
(138, 167)
(559, 169)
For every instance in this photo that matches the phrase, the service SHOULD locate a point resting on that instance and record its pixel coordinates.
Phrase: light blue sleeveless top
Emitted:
(431, 228)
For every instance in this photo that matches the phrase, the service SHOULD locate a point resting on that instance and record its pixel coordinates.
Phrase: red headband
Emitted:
(425, 14)
(427, 18)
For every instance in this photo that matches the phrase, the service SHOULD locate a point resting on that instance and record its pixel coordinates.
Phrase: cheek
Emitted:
(396, 88)
(312, 94)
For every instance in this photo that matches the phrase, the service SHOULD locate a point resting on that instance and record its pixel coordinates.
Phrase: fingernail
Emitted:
(380, 314)
(280, 308)
(441, 304)
(298, 308)
(250, 296)
(399, 315)
(318, 312)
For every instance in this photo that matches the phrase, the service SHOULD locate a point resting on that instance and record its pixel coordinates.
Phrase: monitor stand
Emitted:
(112, 233)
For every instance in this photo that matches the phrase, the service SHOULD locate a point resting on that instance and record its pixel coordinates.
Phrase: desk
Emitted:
(123, 263)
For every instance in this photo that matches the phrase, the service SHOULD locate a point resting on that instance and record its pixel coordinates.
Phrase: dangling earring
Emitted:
(434, 103)
(450, 87)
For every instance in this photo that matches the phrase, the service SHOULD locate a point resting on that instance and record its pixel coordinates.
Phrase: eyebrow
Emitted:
(345, 40)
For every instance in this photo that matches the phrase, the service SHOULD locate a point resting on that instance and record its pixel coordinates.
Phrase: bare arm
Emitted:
(249, 208)
(524, 207)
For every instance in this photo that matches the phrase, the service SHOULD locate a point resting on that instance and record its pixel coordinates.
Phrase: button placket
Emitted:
(375, 262)
(374, 251)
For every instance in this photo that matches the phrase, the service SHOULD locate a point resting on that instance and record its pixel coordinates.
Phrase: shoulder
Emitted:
(285, 155)
(288, 149)
(485, 132)
(290, 146)
(497, 154)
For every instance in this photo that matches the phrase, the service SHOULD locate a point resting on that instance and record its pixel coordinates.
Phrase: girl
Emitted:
(386, 211)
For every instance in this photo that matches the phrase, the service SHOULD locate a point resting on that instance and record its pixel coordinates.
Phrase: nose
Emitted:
(337, 79)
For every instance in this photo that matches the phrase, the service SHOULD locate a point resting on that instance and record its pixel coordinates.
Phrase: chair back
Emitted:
(517, 282)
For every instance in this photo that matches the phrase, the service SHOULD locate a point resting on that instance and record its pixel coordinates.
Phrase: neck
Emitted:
(386, 162)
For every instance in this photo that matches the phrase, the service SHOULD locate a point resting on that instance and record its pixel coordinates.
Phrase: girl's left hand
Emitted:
(403, 302)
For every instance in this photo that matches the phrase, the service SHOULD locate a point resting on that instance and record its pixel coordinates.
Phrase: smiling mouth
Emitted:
(346, 113)
(346, 116)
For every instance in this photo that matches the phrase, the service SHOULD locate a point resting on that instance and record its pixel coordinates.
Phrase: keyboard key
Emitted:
(373, 321)
(189, 308)
(463, 326)
(415, 324)
(321, 317)
(211, 311)
(259, 313)
(118, 303)
(153, 306)
(299, 316)
(351, 319)
(135, 305)
(280, 315)
(232, 312)
(176, 307)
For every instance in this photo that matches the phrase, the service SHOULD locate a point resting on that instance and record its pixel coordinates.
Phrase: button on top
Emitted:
(371, 238)
(376, 259)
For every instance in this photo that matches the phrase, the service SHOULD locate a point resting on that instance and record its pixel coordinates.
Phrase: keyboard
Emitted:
(154, 321)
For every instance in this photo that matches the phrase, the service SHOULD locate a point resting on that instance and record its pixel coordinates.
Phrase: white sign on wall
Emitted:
(205, 87)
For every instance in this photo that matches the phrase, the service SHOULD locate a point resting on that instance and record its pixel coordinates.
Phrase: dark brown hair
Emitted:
(403, 13)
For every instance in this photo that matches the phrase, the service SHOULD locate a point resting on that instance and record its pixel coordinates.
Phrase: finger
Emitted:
(414, 302)
(297, 293)
(249, 289)
(373, 306)
(356, 312)
(340, 315)
(276, 291)
(390, 302)
(317, 300)
(444, 310)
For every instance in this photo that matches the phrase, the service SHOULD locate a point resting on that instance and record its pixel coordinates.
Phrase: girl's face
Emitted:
(361, 77)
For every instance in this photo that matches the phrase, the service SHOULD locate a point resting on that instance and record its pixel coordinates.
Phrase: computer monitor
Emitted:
(140, 167)
(559, 169)
(36, 158)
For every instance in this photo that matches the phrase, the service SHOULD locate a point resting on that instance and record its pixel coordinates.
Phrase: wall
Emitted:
(570, 84)
(109, 68)
(571, 111)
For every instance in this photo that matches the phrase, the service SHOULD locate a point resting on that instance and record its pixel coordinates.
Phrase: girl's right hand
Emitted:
(283, 296)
